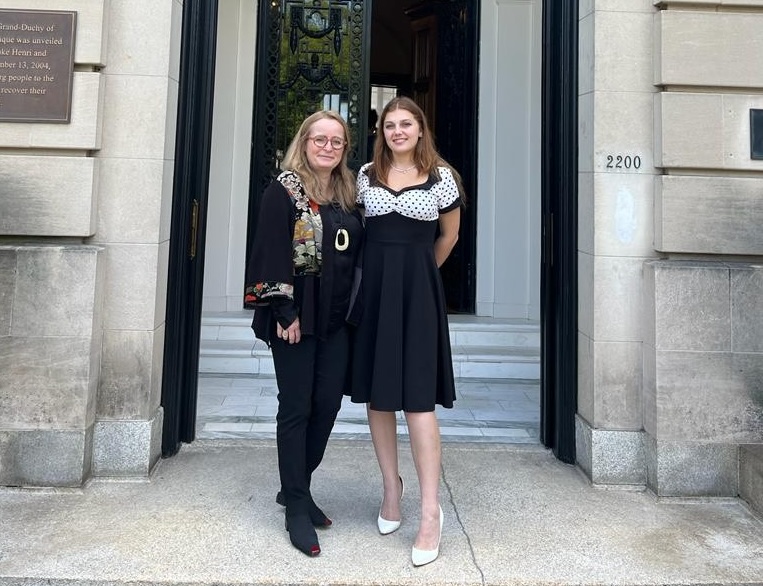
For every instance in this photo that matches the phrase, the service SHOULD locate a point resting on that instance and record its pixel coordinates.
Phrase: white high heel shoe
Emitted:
(421, 557)
(385, 526)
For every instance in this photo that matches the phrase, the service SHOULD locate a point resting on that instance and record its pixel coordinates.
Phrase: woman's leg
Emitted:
(330, 376)
(294, 374)
(425, 447)
(383, 427)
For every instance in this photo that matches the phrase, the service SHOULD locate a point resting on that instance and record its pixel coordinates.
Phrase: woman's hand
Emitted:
(292, 334)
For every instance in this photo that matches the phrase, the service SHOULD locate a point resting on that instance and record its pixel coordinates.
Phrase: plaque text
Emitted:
(36, 64)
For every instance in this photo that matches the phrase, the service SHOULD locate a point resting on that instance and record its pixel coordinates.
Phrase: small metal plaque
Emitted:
(36, 64)
(756, 134)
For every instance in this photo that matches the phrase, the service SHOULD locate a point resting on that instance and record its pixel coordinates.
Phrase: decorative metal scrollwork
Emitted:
(314, 52)
(311, 55)
(301, 24)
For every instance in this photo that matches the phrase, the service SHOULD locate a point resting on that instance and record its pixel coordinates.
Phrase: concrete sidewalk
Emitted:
(513, 515)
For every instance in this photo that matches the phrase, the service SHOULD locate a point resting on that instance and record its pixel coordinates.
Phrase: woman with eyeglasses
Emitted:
(301, 283)
(402, 358)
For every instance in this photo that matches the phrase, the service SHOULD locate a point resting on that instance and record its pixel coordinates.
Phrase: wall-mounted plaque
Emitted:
(36, 64)
(756, 134)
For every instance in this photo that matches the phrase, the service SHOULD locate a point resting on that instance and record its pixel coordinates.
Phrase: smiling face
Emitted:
(401, 132)
(325, 158)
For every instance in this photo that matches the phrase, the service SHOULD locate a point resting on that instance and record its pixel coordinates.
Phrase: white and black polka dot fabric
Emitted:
(418, 202)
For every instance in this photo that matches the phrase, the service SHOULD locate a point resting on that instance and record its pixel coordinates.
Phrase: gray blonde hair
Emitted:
(342, 183)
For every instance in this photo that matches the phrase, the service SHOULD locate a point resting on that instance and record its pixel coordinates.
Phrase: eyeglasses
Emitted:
(321, 141)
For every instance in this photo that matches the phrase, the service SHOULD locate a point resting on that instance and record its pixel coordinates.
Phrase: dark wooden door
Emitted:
(445, 84)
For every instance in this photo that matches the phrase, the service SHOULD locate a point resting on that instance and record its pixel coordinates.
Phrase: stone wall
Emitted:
(703, 352)
(703, 373)
(671, 362)
(50, 310)
(84, 238)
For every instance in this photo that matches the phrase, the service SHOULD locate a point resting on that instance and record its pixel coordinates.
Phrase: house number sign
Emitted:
(36, 64)
(622, 162)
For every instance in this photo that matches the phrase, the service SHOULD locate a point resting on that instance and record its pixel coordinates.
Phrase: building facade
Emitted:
(669, 279)
(669, 364)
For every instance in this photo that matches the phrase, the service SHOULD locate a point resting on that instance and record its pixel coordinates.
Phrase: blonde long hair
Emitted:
(425, 157)
(342, 182)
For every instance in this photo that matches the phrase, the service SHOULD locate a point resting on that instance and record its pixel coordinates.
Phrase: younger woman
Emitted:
(402, 357)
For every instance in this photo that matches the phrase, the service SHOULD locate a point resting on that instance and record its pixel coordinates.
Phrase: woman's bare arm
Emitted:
(449, 225)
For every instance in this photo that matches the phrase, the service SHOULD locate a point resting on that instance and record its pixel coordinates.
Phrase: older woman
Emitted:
(301, 277)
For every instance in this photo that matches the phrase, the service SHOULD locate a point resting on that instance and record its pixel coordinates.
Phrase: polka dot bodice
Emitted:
(419, 202)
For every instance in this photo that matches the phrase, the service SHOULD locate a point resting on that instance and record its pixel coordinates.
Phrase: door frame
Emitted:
(559, 248)
(558, 211)
(185, 279)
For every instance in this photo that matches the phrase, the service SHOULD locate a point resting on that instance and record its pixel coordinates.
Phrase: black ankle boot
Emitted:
(317, 517)
(302, 535)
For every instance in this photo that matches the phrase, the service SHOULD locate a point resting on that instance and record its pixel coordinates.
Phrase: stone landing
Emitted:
(513, 516)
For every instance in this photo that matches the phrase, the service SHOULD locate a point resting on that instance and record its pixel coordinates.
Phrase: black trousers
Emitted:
(311, 378)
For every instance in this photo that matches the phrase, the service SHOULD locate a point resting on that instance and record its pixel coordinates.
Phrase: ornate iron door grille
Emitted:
(312, 55)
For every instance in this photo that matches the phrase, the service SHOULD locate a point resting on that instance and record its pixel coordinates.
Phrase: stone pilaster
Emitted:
(615, 211)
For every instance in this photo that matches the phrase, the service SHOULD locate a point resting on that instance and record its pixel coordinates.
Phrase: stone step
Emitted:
(235, 357)
(230, 325)
(489, 362)
(482, 347)
(465, 330)
(751, 476)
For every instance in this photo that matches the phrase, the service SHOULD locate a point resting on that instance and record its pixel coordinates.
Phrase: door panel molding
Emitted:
(508, 273)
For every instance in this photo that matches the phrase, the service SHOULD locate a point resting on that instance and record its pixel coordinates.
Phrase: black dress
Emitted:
(402, 358)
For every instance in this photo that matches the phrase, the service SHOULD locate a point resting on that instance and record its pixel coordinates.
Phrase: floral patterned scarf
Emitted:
(308, 227)
(306, 244)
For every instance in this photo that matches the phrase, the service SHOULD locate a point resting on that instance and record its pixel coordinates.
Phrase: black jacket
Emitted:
(322, 301)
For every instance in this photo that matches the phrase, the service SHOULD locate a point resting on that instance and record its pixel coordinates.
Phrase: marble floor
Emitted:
(486, 410)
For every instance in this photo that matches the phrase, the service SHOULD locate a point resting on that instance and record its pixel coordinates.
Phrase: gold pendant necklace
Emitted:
(399, 170)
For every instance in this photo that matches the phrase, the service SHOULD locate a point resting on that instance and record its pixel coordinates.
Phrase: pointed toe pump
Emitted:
(421, 557)
(385, 526)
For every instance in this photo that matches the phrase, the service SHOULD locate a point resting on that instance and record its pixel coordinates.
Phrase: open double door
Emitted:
(312, 55)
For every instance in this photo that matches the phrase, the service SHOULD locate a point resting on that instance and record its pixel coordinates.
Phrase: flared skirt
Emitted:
(402, 357)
